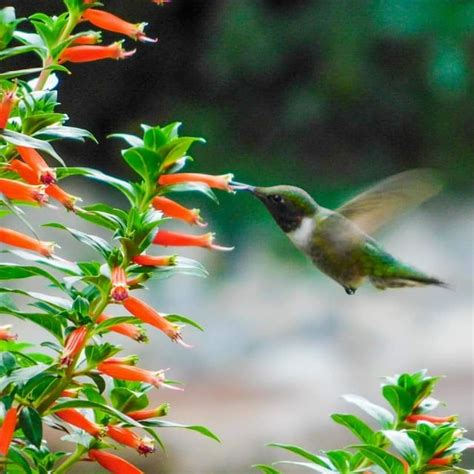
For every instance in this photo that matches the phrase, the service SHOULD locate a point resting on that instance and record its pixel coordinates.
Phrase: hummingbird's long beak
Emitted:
(236, 186)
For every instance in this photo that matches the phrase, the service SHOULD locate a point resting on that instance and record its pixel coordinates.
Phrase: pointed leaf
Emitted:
(383, 416)
(32, 426)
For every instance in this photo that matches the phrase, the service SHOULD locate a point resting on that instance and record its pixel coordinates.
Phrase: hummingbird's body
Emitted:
(337, 241)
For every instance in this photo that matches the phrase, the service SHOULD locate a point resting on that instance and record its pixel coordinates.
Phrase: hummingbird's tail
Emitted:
(404, 276)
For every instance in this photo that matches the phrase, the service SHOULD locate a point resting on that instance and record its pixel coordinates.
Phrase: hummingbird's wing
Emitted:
(386, 200)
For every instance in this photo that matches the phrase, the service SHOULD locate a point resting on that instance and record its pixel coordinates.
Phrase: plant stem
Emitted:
(49, 61)
(75, 457)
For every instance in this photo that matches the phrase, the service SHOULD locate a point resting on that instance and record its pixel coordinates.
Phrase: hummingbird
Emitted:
(340, 242)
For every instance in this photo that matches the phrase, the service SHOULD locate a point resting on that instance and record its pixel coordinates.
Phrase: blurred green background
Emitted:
(328, 95)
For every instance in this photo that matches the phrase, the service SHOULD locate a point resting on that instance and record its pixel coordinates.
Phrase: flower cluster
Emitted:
(86, 389)
(423, 442)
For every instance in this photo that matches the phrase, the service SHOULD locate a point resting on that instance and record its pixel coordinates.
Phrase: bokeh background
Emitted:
(330, 96)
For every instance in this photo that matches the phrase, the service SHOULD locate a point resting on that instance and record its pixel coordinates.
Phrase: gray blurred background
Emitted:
(330, 96)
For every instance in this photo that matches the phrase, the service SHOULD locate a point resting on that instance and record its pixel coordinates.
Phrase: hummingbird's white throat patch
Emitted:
(301, 237)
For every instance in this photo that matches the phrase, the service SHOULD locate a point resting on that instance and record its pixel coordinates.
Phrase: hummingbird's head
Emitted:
(287, 204)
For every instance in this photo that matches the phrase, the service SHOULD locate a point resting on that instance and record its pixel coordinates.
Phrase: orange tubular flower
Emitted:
(23, 192)
(447, 461)
(148, 315)
(86, 53)
(134, 374)
(66, 199)
(5, 334)
(70, 393)
(158, 261)
(172, 209)
(77, 419)
(74, 345)
(6, 105)
(31, 176)
(217, 182)
(17, 239)
(140, 415)
(126, 329)
(92, 37)
(7, 430)
(26, 172)
(113, 463)
(178, 239)
(110, 22)
(119, 290)
(432, 419)
(36, 161)
(129, 360)
(129, 438)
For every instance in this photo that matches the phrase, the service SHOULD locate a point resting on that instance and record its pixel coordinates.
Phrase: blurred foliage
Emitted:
(325, 95)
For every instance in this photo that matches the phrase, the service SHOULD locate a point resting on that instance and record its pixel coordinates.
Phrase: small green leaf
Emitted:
(93, 241)
(62, 131)
(98, 406)
(383, 416)
(32, 426)
(303, 453)
(266, 469)
(170, 424)
(403, 444)
(399, 399)
(127, 400)
(388, 462)
(20, 139)
(357, 426)
(176, 318)
(124, 187)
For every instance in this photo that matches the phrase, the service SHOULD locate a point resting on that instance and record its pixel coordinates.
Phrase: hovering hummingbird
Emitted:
(339, 242)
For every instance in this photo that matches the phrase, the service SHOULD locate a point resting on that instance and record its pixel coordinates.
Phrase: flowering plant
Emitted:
(77, 382)
(421, 442)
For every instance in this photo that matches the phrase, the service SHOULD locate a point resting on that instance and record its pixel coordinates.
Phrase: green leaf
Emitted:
(383, 416)
(192, 187)
(340, 460)
(13, 271)
(104, 219)
(176, 318)
(123, 186)
(307, 465)
(154, 138)
(399, 399)
(7, 363)
(132, 140)
(403, 444)
(266, 469)
(96, 353)
(303, 453)
(144, 161)
(170, 424)
(93, 241)
(356, 425)
(18, 458)
(22, 376)
(388, 462)
(20, 139)
(53, 300)
(126, 400)
(95, 406)
(32, 426)
(62, 131)
(57, 263)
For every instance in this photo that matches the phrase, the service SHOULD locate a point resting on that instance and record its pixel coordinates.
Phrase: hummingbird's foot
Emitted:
(349, 290)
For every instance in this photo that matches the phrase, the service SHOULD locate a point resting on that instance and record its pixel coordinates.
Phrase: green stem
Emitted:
(71, 460)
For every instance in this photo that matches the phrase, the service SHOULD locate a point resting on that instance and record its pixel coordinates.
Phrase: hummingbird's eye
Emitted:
(277, 198)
